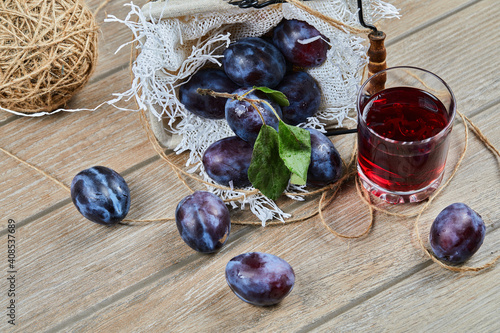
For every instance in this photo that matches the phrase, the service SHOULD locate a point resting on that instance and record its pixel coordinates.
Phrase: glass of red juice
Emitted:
(405, 116)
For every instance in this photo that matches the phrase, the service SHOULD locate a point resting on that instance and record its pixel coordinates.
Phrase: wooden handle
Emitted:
(377, 55)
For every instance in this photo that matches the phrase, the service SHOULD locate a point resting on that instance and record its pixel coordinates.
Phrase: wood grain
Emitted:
(435, 299)
(332, 274)
(461, 51)
(64, 255)
(116, 140)
(292, 245)
(417, 15)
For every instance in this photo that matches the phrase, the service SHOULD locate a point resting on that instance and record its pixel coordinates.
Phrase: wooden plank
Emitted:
(418, 14)
(162, 289)
(128, 255)
(332, 275)
(467, 61)
(19, 202)
(113, 35)
(436, 299)
(361, 274)
(353, 271)
(64, 144)
(5, 117)
(431, 300)
(64, 232)
(66, 241)
(63, 255)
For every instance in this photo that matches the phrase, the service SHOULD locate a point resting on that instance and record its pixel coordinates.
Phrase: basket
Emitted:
(176, 38)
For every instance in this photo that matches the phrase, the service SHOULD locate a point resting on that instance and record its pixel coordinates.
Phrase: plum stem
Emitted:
(258, 111)
(252, 101)
(248, 92)
(274, 111)
(212, 93)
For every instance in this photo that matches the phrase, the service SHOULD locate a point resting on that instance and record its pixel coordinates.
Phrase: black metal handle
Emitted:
(362, 19)
(341, 132)
(257, 4)
(254, 3)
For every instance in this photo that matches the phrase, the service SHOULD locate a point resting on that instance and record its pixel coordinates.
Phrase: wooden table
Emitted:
(74, 275)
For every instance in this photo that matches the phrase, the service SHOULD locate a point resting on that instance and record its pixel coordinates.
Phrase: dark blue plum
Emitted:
(326, 163)
(101, 195)
(228, 160)
(456, 234)
(254, 62)
(301, 43)
(203, 221)
(260, 278)
(304, 96)
(206, 106)
(244, 119)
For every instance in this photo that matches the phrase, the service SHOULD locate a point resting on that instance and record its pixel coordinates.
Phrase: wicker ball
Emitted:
(48, 50)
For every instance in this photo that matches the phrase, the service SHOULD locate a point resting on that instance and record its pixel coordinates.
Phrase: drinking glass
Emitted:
(405, 116)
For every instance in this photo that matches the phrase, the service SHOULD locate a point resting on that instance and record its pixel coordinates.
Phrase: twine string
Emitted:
(428, 253)
(101, 6)
(481, 136)
(49, 55)
(336, 233)
(37, 169)
(324, 191)
(323, 202)
(182, 173)
(333, 22)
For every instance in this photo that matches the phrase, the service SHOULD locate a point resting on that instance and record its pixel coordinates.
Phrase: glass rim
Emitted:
(434, 137)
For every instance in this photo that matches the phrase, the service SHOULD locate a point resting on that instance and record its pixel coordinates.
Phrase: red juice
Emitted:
(408, 150)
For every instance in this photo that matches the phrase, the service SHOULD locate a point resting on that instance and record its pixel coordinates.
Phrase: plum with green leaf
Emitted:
(245, 117)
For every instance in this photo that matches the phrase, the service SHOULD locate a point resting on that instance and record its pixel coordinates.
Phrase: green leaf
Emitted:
(267, 172)
(295, 151)
(275, 95)
(294, 179)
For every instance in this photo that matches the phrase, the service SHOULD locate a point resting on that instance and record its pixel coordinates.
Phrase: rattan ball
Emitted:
(48, 51)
